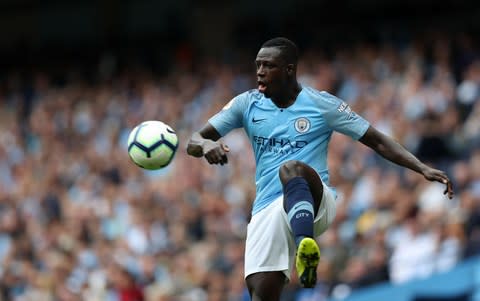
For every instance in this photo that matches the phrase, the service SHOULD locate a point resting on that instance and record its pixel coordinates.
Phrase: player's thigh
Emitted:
(266, 286)
(269, 243)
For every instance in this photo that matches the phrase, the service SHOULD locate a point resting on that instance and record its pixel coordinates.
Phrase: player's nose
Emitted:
(260, 71)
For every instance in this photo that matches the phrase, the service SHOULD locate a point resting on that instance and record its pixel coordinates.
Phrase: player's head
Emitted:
(288, 49)
(276, 66)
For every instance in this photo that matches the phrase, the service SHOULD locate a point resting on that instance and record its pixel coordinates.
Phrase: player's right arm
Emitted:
(204, 143)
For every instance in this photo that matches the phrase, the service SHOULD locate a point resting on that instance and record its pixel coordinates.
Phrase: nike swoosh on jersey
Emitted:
(258, 120)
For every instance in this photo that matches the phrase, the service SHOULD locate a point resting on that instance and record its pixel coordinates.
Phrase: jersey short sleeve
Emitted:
(340, 117)
(231, 115)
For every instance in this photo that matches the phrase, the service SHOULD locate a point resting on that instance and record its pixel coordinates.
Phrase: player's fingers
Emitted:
(225, 148)
(440, 176)
(222, 155)
(216, 158)
(212, 157)
(448, 192)
(208, 156)
(219, 157)
(450, 189)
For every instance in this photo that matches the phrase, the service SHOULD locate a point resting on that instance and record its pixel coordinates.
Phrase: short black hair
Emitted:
(288, 48)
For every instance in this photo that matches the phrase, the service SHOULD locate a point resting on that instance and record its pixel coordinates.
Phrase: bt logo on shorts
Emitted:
(302, 214)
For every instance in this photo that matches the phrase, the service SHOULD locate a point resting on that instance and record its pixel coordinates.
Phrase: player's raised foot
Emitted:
(308, 256)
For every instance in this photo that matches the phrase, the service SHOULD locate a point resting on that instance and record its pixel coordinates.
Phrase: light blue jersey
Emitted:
(300, 132)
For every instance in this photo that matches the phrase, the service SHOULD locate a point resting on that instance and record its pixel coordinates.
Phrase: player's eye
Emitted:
(264, 65)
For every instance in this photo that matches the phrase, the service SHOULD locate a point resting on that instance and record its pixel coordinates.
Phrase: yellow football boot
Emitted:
(308, 256)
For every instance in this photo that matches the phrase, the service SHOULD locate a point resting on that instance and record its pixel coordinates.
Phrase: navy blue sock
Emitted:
(299, 207)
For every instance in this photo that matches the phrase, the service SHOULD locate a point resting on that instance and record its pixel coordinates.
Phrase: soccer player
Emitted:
(289, 127)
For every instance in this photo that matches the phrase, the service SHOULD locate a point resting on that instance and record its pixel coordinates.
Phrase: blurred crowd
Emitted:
(79, 221)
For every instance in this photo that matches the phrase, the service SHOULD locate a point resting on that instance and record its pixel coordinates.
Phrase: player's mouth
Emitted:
(261, 86)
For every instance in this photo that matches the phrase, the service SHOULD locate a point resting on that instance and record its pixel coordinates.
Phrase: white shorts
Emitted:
(270, 244)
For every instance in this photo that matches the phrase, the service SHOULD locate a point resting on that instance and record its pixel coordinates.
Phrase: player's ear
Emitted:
(290, 69)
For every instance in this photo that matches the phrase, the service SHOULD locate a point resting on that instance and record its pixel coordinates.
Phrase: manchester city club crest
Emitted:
(302, 125)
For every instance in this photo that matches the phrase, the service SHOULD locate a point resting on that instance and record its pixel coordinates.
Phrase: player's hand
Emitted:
(433, 174)
(216, 152)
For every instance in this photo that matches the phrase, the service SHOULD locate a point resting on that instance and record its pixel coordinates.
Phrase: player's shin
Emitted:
(299, 207)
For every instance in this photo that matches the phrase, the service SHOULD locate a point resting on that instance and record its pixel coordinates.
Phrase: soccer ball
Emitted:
(152, 144)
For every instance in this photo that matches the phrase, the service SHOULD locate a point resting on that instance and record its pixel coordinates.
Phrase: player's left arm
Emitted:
(391, 150)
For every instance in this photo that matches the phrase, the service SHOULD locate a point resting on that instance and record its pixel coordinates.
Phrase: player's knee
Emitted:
(292, 169)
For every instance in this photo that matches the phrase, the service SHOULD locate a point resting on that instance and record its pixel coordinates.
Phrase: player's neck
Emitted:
(288, 97)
